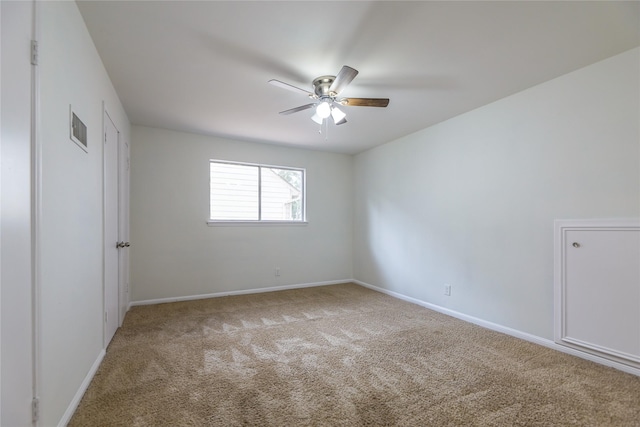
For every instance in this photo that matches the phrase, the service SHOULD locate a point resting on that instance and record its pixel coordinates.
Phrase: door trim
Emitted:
(36, 220)
(561, 227)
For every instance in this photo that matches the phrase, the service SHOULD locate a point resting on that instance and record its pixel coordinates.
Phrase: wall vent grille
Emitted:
(78, 130)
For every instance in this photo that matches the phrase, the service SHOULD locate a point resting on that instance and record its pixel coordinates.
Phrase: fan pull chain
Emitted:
(326, 129)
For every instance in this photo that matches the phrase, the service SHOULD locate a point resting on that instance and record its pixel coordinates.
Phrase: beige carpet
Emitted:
(340, 356)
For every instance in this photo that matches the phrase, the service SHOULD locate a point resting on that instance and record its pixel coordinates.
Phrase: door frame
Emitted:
(561, 227)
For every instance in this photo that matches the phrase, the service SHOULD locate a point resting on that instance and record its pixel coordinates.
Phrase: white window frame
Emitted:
(259, 221)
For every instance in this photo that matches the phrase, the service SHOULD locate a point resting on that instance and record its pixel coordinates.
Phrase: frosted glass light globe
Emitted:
(323, 110)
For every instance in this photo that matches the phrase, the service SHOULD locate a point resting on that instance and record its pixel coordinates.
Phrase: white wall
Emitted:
(15, 214)
(173, 251)
(471, 201)
(72, 205)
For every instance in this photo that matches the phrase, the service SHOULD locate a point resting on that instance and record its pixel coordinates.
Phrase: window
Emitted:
(250, 193)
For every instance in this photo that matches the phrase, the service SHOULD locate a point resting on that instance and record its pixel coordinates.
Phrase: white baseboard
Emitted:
(241, 292)
(81, 390)
(506, 330)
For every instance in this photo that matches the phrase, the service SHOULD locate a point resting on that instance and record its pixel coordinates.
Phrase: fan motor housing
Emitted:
(321, 86)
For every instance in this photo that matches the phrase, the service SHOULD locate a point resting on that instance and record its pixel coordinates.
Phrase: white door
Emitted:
(111, 210)
(123, 220)
(600, 290)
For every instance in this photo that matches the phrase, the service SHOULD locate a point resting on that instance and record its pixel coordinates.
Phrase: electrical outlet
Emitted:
(447, 290)
(277, 272)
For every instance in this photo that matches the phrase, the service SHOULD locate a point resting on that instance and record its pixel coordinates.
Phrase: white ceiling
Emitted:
(203, 66)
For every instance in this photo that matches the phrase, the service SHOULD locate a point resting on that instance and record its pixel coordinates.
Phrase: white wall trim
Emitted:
(73, 405)
(505, 330)
(36, 216)
(241, 292)
(0, 255)
(561, 227)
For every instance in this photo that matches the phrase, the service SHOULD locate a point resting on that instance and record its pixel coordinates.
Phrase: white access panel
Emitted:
(598, 288)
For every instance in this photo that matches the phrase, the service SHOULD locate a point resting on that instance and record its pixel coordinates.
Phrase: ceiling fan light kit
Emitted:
(339, 117)
(325, 93)
(323, 110)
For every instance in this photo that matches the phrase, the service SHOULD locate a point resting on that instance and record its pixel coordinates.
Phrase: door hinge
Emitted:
(35, 409)
(34, 52)
(106, 316)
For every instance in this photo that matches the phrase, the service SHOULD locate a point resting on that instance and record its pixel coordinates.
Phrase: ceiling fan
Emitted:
(325, 95)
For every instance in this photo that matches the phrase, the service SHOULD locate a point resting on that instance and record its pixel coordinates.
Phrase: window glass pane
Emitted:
(250, 192)
(234, 192)
(281, 194)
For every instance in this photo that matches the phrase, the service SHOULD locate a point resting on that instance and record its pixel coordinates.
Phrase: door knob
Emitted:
(120, 245)
(576, 245)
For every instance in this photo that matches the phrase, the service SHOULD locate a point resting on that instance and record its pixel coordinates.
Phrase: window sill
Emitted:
(222, 223)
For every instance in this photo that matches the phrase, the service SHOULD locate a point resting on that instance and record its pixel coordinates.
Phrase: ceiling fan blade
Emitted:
(344, 77)
(287, 86)
(365, 102)
(295, 110)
